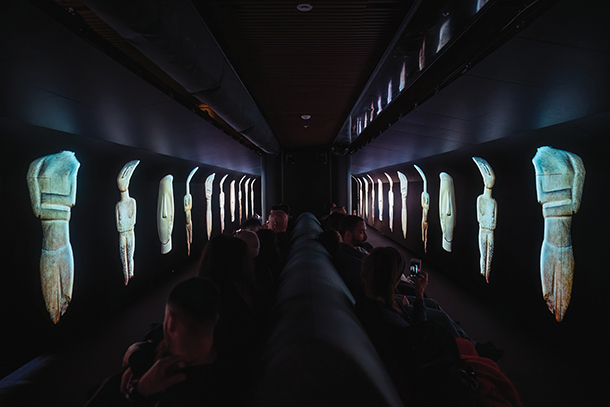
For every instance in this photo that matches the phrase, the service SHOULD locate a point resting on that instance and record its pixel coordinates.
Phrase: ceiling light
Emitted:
(305, 117)
(304, 7)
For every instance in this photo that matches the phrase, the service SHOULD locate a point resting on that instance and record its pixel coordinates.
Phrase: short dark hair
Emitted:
(349, 222)
(251, 222)
(197, 298)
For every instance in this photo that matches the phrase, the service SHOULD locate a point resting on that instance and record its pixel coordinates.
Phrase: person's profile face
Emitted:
(359, 235)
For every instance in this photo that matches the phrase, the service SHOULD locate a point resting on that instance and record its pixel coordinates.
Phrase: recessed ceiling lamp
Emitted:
(304, 7)
(305, 117)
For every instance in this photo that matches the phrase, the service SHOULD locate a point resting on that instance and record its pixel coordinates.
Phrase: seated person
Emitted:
(330, 239)
(349, 254)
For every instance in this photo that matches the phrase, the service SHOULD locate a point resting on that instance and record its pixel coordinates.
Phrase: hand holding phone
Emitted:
(415, 267)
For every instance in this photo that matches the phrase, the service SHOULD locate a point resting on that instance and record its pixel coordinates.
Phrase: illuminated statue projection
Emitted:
(487, 212)
(372, 199)
(221, 203)
(403, 77)
(404, 184)
(125, 212)
(52, 184)
(380, 198)
(444, 35)
(425, 205)
(252, 197)
(361, 197)
(366, 198)
(239, 198)
(188, 206)
(165, 213)
(390, 202)
(232, 200)
(560, 176)
(247, 198)
(209, 181)
(480, 4)
(446, 209)
(422, 55)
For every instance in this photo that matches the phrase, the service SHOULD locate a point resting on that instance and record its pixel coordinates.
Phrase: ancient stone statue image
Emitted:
(52, 185)
(252, 197)
(247, 198)
(221, 203)
(366, 198)
(209, 182)
(560, 176)
(446, 209)
(239, 200)
(125, 212)
(188, 206)
(372, 199)
(232, 200)
(165, 213)
(425, 205)
(359, 195)
(404, 184)
(390, 202)
(487, 213)
(380, 198)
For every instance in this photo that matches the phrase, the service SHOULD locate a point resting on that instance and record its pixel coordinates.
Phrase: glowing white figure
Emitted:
(487, 212)
(232, 200)
(380, 198)
(221, 203)
(125, 213)
(403, 77)
(209, 183)
(389, 92)
(366, 198)
(52, 185)
(247, 198)
(165, 213)
(372, 198)
(252, 197)
(188, 206)
(404, 185)
(422, 55)
(560, 176)
(239, 198)
(444, 35)
(390, 202)
(480, 4)
(446, 209)
(425, 205)
(361, 197)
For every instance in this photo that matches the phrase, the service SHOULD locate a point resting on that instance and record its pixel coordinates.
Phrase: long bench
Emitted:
(318, 352)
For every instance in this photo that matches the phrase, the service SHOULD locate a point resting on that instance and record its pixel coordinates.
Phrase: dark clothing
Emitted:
(348, 262)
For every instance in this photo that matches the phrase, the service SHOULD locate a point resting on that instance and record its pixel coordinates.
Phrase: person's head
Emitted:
(353, 230)
(338, 209)
(252, 224)
(191, 313)
(330, 239)
(333, 220)
(278, 221)
(251, 239)
(381, 271)
(226, 260)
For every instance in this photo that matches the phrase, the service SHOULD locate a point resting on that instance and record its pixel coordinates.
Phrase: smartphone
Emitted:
(415, 267)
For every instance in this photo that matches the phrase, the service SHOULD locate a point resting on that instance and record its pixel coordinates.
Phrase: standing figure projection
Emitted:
(380, 198)
(366, 198)
(390, 202)
(252, 197)
(125, 212)
(52, 184)
(425, 206)
(221, 203)
(239, 198)
(446, 209)
(232, 200)
(209, 182)
(188, 206)
(358, 196)
(372, 198)
(247, 198)
(487, 212)
(165, 213)
(404, 184)
(560, 176)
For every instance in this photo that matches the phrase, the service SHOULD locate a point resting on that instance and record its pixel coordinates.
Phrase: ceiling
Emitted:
(319, 62)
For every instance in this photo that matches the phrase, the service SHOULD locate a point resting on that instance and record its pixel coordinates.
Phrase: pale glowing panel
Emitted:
(480, 4)
(444, 35)
(359, 196)
(188, 206)
(380, 198)
(358, 125)
(221, 203)
(52, 185)
(232, 200)
(165, 213)
(404, 185)
(247, 198)
(239, 199)
(560, 176)
(403, 77)
(425, 205)
(390, 202)
(389, 92)
(252, 197)
(372, 111)
(446, 209)
(209, 182)
(422, 55)
(487, 213)
(366, 121)
(366, 198)
(379, 108)
(372, 198)
(125, 213)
